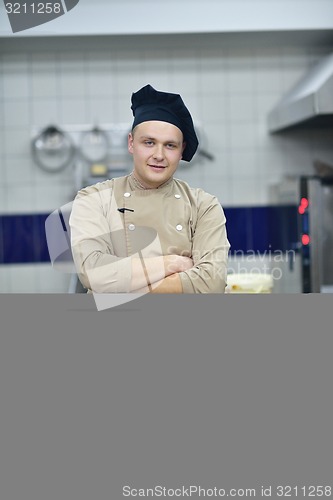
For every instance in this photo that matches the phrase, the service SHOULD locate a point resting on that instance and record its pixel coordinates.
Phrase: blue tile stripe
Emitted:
(22, 239)
(259, 229)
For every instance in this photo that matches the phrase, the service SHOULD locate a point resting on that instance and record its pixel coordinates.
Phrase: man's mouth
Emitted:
(158, 167)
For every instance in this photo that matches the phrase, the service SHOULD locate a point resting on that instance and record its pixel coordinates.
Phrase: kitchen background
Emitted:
(230, 82)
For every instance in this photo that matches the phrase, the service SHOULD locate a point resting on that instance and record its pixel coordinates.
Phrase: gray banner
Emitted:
(188, 396)
(24, 14)
(70, 4)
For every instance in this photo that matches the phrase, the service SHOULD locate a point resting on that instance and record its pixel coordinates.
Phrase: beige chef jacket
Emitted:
(172, 219)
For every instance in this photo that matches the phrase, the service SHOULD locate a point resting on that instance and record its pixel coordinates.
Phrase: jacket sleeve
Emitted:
(209, 250)
(98, 268)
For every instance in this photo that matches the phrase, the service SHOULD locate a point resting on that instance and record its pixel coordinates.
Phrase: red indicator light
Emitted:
(305, 239)
(304, 202)
(301, 210)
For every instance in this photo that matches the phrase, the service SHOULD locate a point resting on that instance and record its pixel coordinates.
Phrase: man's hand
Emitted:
(162, 273)
(176, 264)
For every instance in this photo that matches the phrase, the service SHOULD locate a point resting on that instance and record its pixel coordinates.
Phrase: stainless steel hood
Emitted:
(309, 103)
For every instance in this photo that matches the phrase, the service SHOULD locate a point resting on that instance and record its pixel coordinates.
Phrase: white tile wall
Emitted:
(16, 142)
(3, 198)
(16, 77)
(2, 159)
(20, 196)
(45, 110)
(229, 91)
(4, 278)
(49, 280)
(17, 113)
(74, 109)
(18, 170)
(27, 278)
(44, 76)
(72, 75)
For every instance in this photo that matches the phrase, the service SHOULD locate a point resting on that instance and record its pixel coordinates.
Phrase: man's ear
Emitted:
(130, 142)
(183, 147)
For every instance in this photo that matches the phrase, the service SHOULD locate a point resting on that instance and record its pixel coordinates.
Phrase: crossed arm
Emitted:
(170, 265)
(101, 271)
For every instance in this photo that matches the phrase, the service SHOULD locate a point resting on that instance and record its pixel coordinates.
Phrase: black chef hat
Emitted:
(149, 104)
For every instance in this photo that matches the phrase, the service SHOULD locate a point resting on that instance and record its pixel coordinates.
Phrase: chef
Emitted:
(148, 231)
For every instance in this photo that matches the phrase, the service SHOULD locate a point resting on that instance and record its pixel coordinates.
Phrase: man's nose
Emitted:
(158, 152)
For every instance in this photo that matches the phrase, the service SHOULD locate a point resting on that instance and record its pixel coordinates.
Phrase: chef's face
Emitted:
(157, 148)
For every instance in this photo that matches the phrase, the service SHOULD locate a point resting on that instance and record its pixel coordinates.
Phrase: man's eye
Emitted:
(149, 143)
(172, 146)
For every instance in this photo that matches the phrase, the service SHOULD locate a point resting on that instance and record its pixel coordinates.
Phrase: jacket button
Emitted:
(127, 195)
(179, 227)
(131, 227)
(177, 196)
